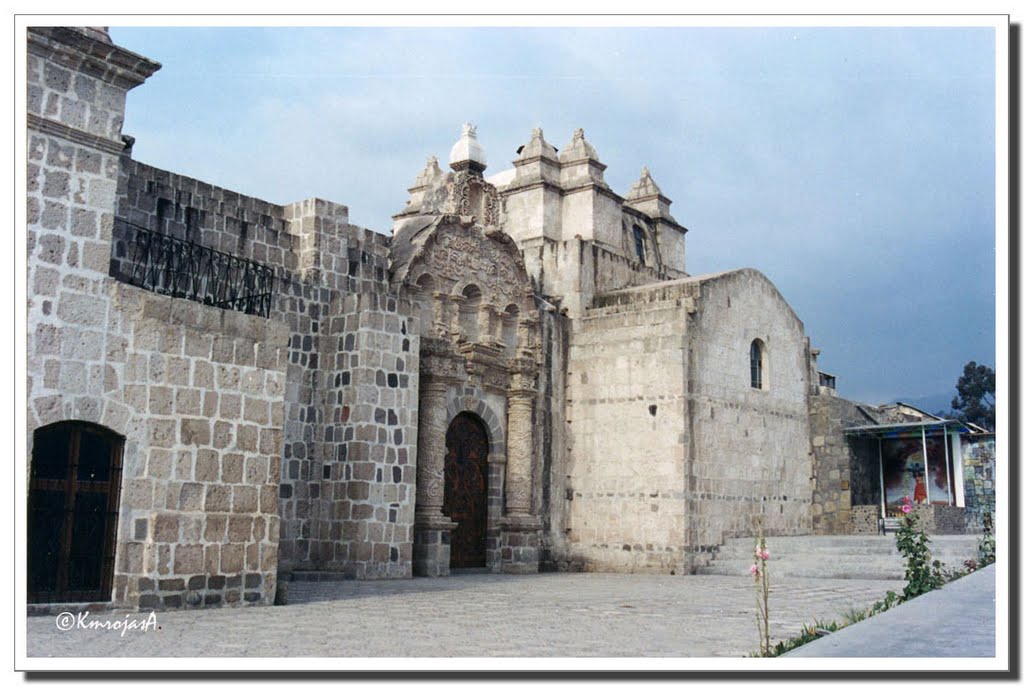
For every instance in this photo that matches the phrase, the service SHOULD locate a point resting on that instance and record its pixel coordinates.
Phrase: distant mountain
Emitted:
(937, 403)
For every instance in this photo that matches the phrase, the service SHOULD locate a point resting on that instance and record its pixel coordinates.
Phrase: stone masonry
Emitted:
(522, 376)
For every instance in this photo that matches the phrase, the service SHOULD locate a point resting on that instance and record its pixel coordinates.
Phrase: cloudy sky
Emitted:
(855, 167)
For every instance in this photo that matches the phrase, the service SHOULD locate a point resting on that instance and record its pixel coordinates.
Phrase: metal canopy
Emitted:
(908, 429)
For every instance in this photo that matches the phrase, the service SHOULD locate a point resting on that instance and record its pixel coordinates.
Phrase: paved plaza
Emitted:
(481, 615)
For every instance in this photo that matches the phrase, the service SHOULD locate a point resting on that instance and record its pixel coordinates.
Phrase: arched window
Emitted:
(640, 242)
(757, 364)
(74, 486)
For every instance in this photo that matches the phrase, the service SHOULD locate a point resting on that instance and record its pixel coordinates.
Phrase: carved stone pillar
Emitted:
(519, 468)
(442, 322)
(487, 323)
(520, 538)
(455, 320)
(430, 449)
(432, 535)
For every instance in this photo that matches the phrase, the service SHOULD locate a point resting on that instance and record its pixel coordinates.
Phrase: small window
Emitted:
(757, 364)
(639, 241)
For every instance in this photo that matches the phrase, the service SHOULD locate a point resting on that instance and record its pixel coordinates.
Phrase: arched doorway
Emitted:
(72, 506)
(465, 489)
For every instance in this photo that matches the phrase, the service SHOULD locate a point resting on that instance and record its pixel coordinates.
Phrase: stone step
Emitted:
(743, 548)
(813, 569)
(838, 557)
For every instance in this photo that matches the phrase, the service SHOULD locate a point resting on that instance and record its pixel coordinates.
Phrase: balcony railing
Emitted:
(183, 269)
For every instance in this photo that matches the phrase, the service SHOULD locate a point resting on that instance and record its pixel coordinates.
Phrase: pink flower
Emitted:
(755, 571)
(906, 509)
(763, 553)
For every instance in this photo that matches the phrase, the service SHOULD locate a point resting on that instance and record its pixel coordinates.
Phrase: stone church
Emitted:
(521, 376)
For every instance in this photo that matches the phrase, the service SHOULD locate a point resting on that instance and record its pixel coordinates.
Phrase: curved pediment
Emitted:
(468, 283)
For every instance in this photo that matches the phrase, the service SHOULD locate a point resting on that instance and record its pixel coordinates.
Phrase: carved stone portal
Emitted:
(478, 340)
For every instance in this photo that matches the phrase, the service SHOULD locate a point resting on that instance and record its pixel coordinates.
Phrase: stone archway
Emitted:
(466, 489)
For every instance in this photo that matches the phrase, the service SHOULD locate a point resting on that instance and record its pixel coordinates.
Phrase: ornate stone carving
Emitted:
(430, 450)
(469, 194)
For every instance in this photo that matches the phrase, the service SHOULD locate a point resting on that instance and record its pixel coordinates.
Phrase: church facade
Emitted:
(522, 376)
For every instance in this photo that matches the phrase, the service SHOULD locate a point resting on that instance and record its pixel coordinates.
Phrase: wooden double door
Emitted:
(74, 485)
(465, 490)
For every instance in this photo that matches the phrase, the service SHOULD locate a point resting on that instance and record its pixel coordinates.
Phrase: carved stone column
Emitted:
(430, 449)
(519, 468)
(442, 322)
(520, 549)
(487, 323)
(432, 535)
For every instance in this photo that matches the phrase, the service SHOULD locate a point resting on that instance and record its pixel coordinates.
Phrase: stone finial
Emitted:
(644, 187)
(538, 147)
(578, 149)
(467, 153)
(429, 173)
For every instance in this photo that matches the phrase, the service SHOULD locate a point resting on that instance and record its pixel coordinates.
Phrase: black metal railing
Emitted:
(826, 380)
(184, 269)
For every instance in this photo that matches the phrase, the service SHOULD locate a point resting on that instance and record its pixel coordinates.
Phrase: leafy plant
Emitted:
(987, 543)
(921, 574)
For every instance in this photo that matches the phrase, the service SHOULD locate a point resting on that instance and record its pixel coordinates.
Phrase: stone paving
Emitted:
(480, 615)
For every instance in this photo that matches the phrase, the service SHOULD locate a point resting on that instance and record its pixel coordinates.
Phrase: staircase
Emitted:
(835, 557)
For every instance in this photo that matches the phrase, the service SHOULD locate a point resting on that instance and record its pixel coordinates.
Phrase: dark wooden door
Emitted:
(72, 513)
(465, 490)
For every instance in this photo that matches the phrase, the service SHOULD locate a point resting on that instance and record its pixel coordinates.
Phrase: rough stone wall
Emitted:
(627, 417)
(572, 273)
(948, 519)
(979, 460)
(332, 293)
(863, 520)
(365, 478)
(833, 464)
(551, 472)
(750, 447)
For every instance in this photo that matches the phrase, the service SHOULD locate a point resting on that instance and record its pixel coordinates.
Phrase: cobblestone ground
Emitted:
(482, 615)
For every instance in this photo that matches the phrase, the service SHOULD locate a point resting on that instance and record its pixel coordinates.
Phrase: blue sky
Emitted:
(855, 167)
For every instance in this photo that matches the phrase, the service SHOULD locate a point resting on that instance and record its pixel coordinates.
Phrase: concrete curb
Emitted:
(957, 620)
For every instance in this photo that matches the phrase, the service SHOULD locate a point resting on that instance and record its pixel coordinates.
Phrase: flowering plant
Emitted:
(907, 505)
(759, 570)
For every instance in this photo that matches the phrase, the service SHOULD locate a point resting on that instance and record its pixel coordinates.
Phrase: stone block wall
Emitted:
(200, 499)
(628, 435)
(751, 449)
(332, 294)
(832, 505)
(979, 460)
(366, 473)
